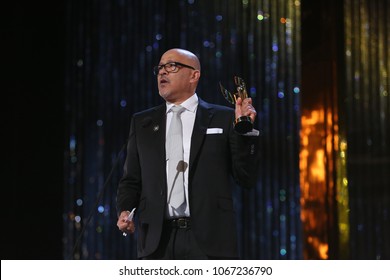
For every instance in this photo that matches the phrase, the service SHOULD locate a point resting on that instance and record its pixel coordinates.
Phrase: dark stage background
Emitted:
(76, 70)
(33, 51)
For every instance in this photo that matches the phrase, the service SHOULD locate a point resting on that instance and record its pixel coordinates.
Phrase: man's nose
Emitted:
(162, 71)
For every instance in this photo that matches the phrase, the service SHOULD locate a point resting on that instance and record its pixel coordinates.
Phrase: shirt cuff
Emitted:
(254, 132)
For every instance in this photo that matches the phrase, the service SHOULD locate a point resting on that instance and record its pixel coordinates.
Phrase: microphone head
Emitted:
(181, 166)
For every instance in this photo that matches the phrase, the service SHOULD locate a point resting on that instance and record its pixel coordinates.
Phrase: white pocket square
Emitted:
(214, 131)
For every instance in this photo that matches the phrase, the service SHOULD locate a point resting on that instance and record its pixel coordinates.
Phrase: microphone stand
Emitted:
(99, 197)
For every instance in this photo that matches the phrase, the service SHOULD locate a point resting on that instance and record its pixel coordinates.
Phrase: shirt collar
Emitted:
(190, 104)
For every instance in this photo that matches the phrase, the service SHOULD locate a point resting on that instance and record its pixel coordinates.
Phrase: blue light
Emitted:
(99, 123)
(281, 94)
(79, 202)
(283, 252)
(72, 143)
(293, 238)
(123, 103)
(219, 18)
(100, 209)
(296, 90)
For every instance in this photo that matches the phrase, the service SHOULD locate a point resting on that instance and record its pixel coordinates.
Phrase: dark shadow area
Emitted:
(33, 36)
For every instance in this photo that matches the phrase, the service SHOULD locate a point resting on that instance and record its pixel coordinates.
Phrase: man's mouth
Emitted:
(163, 81)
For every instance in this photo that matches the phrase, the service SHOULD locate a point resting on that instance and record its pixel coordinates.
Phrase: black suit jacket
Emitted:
(216, 161)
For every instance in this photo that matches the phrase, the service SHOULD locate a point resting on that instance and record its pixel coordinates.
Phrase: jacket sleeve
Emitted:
(245, 158)
(129, 188)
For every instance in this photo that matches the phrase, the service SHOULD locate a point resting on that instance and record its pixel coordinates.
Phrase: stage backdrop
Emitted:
(111, 49)
(365, 96)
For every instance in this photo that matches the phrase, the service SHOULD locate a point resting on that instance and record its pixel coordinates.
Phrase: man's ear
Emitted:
(195, 76)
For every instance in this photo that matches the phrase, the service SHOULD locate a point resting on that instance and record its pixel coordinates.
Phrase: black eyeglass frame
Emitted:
(156, 69)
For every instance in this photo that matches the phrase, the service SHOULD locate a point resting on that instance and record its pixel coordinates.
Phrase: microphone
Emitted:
(181, 166)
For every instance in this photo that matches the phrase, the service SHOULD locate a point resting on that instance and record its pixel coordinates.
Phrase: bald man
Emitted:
(215, 158)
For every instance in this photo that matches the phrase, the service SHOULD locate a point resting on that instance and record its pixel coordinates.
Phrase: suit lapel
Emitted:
(154, 132)
(160, 120)
(203, 117)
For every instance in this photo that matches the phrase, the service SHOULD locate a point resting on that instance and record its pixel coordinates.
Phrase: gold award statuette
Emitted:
(242, 124)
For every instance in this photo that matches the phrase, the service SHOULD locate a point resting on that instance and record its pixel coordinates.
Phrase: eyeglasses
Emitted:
(170, 67)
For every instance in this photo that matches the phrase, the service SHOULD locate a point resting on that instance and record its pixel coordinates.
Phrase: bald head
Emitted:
(186, 57)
